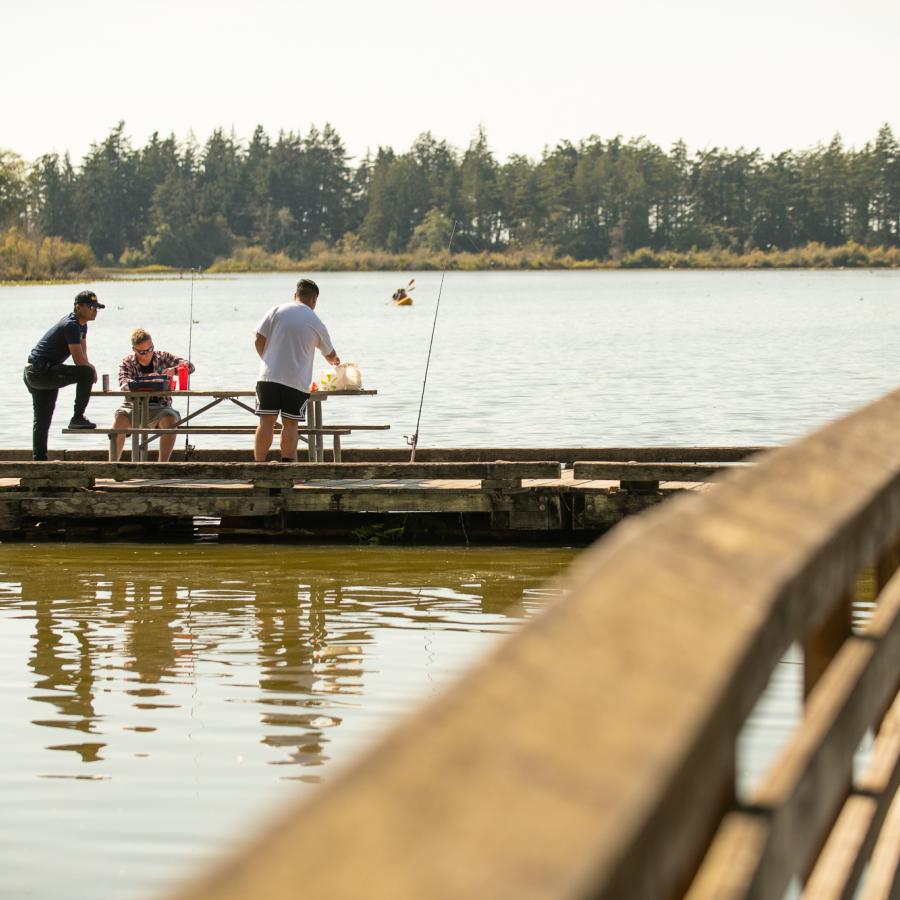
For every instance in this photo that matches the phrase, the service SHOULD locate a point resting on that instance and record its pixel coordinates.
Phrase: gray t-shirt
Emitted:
(292, 332)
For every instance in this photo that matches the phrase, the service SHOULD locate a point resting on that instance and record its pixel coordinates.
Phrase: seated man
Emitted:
(147, 360)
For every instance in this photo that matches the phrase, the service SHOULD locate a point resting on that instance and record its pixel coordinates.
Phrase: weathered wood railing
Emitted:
(593, 755)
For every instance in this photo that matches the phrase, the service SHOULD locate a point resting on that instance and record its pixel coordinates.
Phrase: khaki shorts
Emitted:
(157, 412)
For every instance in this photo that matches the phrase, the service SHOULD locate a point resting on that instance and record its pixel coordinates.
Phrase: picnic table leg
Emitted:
(112, 447)
(144, 417)
(337, 448)
(319, 438)
(136, 423)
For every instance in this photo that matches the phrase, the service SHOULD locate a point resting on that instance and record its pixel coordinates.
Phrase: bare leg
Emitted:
(288, 438)
(167, 441)
(265, 429)
(123, 420)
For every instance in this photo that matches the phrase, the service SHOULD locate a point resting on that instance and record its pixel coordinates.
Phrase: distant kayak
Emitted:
(401, 295)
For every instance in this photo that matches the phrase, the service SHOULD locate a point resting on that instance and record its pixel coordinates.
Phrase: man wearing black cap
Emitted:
(45, 373)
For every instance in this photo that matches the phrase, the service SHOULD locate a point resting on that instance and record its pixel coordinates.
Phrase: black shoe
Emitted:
(81, 422)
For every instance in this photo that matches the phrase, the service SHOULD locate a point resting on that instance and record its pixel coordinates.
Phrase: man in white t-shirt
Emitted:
(286, 341)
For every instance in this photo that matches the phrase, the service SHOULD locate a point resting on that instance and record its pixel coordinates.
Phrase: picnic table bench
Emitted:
(334, 431)
(143, 434)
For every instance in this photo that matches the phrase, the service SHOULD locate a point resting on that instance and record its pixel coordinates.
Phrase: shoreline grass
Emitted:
(811, 256)
(29, 260)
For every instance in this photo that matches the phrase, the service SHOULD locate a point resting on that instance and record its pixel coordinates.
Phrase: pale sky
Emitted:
(774, 75)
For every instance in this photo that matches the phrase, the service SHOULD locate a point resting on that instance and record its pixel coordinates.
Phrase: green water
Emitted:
(158, 702)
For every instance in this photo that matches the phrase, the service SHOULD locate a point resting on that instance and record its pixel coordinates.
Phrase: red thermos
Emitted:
(182, 376)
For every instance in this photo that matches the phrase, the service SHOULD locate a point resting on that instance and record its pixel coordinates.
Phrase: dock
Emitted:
(480, 495)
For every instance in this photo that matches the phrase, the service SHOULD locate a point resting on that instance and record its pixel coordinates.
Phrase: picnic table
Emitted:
(143, 434)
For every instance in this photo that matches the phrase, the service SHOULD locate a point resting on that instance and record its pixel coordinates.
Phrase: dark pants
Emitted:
(43, 383)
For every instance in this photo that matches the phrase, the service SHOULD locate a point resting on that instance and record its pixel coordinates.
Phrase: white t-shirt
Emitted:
(292, 332)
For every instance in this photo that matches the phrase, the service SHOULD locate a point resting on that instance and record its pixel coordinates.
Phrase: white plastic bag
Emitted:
(347, 377)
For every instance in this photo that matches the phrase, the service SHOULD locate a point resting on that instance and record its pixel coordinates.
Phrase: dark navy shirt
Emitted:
(53, 347)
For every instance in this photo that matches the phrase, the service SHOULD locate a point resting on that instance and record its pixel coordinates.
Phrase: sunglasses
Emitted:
(142, 352)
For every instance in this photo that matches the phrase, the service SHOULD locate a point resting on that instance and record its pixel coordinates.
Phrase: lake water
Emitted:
(158, 702)
(521, 358)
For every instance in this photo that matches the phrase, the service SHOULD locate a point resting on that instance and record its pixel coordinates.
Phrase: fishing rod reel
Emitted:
(411, 442)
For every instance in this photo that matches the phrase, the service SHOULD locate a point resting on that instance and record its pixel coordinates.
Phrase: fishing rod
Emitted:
(187, 447)
(415, 438)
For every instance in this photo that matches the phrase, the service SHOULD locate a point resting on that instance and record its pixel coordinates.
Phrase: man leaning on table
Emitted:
(144, 360)
(286, 341)
(46, 373)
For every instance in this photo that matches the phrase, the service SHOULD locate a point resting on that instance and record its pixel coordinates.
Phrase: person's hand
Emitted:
(170, 371)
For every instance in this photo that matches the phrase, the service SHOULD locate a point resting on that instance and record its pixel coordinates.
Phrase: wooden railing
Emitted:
(593, 755)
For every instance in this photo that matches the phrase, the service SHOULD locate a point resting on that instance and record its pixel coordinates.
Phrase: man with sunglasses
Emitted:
(45, 373)
(145, 359)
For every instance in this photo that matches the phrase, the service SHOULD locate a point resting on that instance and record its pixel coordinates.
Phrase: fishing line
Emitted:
(415, 437)
(187, 447)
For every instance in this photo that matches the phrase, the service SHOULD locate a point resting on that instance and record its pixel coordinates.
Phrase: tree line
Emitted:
(184, 204)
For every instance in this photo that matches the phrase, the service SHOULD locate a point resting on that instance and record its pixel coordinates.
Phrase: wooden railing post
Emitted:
(886, 565)
(821, 646)
(885, 569)
(824, 641)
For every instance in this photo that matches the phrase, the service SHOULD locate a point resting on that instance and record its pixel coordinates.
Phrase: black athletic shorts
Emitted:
(273, 397)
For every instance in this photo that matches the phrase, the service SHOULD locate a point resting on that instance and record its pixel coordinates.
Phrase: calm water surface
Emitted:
(522, 358)
(157, 702)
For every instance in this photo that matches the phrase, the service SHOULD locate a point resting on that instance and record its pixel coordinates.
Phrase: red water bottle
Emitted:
(182, 376)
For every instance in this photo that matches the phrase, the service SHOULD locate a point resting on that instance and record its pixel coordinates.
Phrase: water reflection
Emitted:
(139, 680)
(130, 645)
(297, 663)
(63, 665)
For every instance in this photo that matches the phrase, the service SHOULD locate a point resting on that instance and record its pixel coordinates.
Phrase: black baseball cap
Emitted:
(89, 298)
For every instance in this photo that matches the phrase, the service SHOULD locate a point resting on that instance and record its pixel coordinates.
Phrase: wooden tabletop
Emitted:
(155, 392)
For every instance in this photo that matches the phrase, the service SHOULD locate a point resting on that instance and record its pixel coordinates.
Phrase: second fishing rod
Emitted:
(414, 440)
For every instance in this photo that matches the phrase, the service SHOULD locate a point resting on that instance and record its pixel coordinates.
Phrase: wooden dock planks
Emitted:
(519, 495)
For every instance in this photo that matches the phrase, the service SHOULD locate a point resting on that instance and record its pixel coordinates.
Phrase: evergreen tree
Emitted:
(53, 191)
(480, 194)
(183, 204)
(108, 217)
(13, 189)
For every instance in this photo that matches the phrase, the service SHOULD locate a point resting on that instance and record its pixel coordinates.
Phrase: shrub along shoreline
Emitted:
(31, 259)
(812, 256)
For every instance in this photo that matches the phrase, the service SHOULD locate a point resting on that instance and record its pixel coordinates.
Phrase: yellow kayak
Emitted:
(403, 301)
